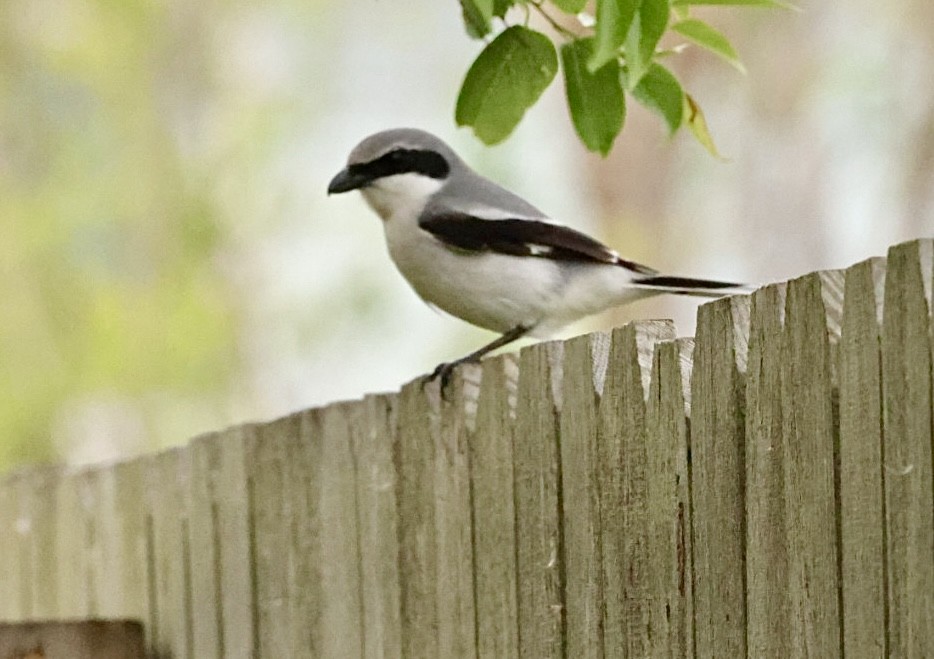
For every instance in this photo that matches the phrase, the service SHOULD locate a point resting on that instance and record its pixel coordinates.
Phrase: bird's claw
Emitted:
(442, 372)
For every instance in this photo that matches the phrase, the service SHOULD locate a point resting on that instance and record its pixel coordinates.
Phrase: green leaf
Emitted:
(500, 7)
(504, 81)
(596, 100)
(613, 20)
(698, 125)
(570, 6)
(707, 37)
(647, 28)
(477, 17)
(747, 3)
(661, 92)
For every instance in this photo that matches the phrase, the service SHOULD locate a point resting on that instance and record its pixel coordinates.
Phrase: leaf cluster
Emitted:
(605, 58)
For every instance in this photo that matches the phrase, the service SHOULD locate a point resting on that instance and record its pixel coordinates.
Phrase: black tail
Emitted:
(691, 286)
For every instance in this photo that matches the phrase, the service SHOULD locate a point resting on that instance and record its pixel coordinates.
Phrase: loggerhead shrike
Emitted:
(479, 252)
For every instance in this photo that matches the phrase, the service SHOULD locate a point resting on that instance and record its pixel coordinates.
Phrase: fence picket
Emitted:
(341, 624)
(39, 551)
(494, 514)
(622, 483)
(453, 523)
(373, 435)
(668, 503)
(809, 454)
(207, 632)
(579, 446)
(766, 553)
(12, 528)
(270, 523)
(909, 509)
(862, 541)
(537, 472)
(415, 492)
(166, 486)
(718, 477)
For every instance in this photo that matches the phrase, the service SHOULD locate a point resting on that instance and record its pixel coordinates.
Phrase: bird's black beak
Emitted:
(347, 180)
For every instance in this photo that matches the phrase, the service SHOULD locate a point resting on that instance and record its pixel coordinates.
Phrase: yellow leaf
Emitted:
(698, 124)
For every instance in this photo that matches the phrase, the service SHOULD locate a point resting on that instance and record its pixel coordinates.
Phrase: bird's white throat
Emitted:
(402, 195)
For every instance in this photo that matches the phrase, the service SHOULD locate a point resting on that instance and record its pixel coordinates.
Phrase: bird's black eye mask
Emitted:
(402, 161)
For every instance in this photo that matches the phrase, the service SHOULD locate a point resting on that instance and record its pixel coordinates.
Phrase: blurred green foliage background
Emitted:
(169, 263)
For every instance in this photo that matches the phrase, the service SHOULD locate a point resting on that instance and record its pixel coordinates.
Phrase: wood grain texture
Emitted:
(165, 495)
(234, 532)
(272, 444)
(668, 502)
(120, 551)
(809, 453)
(71, 537)
(12, 577)
(306, 532)
(453, 516)
(415, 445)
(537, 469)
(341, 617)
(580, 493)
(718, 477)
(862, 504)
(623, 487)
(907, 455)
(372, 429)
(494, 515)
(766, 549)
(204, 545)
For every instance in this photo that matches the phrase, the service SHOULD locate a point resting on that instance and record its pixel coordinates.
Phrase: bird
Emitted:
(481, 253)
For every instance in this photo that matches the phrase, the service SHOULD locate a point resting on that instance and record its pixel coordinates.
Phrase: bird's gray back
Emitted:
(469, 192)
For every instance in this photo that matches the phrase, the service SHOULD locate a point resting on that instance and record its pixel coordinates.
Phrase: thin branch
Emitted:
(539, 6)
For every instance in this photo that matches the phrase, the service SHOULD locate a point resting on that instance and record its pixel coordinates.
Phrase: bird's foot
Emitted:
(444, 372)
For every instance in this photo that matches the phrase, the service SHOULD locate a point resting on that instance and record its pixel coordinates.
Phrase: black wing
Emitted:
(523, 238)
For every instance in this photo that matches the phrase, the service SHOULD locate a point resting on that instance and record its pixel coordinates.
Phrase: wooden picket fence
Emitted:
(762, 490)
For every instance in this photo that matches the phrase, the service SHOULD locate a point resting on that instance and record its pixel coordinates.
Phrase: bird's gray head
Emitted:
(397, 169)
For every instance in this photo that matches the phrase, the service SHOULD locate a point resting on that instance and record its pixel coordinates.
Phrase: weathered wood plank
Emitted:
(491, 461)
(120, 558)
(862, 508)
(75, 530)
(14, 537)
(537, 469)
(373, 424)
(416, 445)
(580, 496)
(235, 550)
(623, 487)
(207, 635)
(306, 533)
(270, 507)
(39, 554)
(341, 623)
(909, 510)
(167, 483)
(453, 523)
(766, 549)
(718, 477)
(668, 502)
(809, 432)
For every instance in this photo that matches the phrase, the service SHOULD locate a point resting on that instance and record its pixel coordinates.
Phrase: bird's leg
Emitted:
(445, 370)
